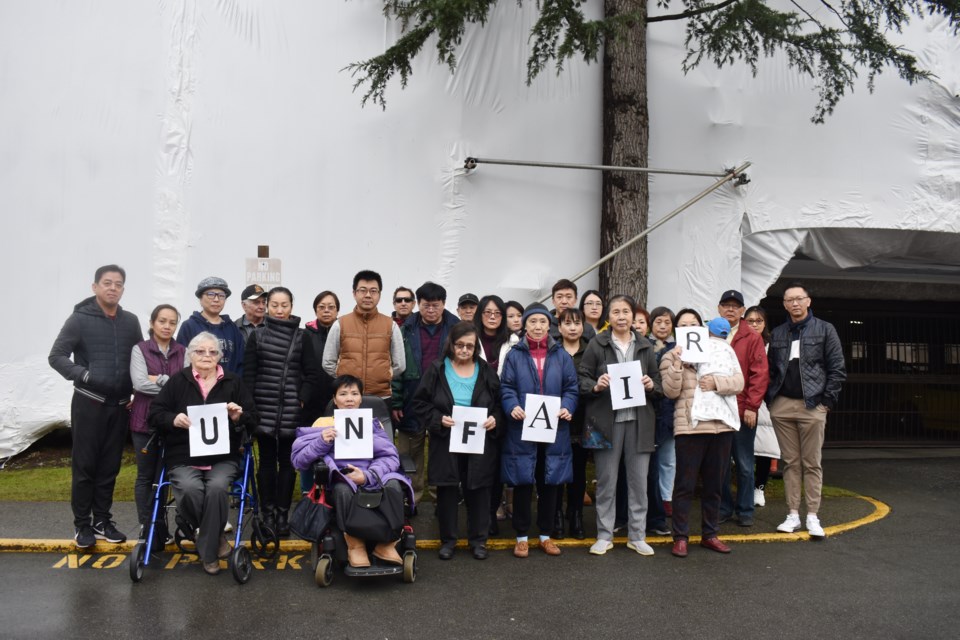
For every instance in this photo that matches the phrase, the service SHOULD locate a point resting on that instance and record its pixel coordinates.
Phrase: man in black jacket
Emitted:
(806, 373)
(100, 336)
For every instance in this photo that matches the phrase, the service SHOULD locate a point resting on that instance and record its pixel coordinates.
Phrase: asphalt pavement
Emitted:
(896, 576)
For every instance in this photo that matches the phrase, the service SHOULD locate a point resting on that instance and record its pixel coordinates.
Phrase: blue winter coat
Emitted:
(518, 460)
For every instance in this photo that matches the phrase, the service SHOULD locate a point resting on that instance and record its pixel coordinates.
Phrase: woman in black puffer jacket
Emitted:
(272, 370)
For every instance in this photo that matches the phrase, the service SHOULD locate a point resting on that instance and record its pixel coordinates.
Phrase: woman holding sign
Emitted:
(201, 484)
(463, 448)
(620, 411)
(537, 445)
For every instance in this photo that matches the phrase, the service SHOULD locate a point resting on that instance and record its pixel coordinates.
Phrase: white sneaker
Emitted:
(758, 499)
(227, 528)
(814, 528)
(791, 524)
(600, 547)
(641, 547)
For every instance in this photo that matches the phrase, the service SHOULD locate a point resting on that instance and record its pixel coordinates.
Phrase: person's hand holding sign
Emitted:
(490, 423)
(564, 414)
(518, 413)
(181, 421)
(647, 383)
(446, 421)
(603, 382)
(329, 434)
(234, 411)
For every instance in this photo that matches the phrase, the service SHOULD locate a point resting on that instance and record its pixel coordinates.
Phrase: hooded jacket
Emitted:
(101, 348)
(227, 332)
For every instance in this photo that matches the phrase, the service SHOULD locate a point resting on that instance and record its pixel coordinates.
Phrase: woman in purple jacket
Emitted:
(346, 476)
(152, 362)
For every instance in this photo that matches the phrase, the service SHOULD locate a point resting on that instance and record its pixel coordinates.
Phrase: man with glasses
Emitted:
(254, 303)
(748, 345)
(100, 336)
(212, 293)
(365, 343)
(806, 373)
(403, 302)
(424, 335)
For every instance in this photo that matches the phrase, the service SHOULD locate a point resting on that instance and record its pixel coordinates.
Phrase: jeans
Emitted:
(667, 466)
(743, 457)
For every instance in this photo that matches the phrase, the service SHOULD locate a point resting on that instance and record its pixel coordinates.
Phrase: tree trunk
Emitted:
(626, 137)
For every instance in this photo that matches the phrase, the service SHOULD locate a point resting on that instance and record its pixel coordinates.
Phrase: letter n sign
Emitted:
(354, 429)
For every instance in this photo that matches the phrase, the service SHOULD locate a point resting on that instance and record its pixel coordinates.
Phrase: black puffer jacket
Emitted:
(272, 370)
(822, 369)
(316, 389)
(101, 348)
(182, 391)
(432, 401)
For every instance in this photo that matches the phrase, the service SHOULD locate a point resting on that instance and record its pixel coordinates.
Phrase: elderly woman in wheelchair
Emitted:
(348, 476)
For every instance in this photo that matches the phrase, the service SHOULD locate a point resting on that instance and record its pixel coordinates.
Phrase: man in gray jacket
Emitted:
(806, 373)
(100, 336)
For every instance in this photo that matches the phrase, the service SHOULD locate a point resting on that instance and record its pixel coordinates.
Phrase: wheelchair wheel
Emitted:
(241, 565)
(264, 540)
(409, 567)
(137, 558)
(323, 575)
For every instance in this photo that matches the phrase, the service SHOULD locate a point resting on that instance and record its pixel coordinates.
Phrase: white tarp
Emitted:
(175, 137)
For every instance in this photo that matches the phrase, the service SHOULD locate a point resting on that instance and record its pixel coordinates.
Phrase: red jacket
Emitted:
(748, 345)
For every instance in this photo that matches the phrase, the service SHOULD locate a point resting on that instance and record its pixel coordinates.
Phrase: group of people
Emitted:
(278, 377)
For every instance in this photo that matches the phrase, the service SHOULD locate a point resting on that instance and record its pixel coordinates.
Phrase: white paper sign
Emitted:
(209, 430)
(693, 341)
(467, 434)
(626, 385)
(541, 422)
(354, 440)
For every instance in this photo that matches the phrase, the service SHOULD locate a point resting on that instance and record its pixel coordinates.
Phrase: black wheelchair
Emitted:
(331, 548)
(243, 497)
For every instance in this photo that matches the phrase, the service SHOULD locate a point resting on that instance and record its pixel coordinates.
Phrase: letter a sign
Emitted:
(209, 430)
(541, 422)
(626, 385)
(354, 429)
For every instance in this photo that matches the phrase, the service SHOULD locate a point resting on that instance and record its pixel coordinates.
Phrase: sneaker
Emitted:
(227, 528)
(814, 528)
(84, 537)
(791, 524)
(107, 530)
(659, 530)
(641, 547)
(600, 547)
(758, 499)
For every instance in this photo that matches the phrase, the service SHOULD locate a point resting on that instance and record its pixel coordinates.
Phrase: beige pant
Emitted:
(800, 435)
(412, 444)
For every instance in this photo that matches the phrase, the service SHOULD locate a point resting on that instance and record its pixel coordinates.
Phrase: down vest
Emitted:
(101, 347)
(679, 383)
(519, 457)
(271, 368)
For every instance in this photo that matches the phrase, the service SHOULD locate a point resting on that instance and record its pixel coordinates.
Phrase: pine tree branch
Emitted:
(691, 13)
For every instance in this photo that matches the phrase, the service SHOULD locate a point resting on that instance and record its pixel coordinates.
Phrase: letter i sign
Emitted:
(626, 385)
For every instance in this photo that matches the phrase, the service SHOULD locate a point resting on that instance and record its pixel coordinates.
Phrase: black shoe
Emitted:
(724, 518)
(576, 525)
(480, 552)
(107, 530)
(494, 529)
(268, 519)
(558, 525)
(283, 527)
(446, 552)
(659, 530)
(84, 537)
(745, 521)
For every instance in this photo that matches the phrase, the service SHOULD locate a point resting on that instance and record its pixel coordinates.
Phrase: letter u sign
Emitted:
(203, 431)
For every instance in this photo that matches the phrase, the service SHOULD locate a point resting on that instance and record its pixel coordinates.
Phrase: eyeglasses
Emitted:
(364, 291)
(492, 314)
(215, 295)
(730, 306)
(402, 300)
(326, 307)
(212, 353)
(796, 300)
(755, 321)
(463, 346)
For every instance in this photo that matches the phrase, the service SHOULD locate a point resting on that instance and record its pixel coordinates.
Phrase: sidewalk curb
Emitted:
(40, 545)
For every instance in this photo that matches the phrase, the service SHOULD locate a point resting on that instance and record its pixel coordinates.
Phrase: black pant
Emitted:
(478, 511)
(99, 432)
(576, 489)
(148, 471)
(547, 495)
(275, 487)
(762, 475)
(704, 455)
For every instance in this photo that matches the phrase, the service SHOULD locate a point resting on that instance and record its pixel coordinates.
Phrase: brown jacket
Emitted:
(365, 350)
(679, 382)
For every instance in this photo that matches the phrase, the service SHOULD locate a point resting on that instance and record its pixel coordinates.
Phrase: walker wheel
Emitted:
(137, 558)
(241, 565)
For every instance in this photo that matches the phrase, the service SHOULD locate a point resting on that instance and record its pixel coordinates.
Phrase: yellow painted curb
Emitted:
(880, 510)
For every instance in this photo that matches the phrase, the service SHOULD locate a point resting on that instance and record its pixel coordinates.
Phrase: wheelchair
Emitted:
(243, 497)
(331, 549)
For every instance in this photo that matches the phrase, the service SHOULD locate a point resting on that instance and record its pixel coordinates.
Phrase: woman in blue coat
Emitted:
(537, 365)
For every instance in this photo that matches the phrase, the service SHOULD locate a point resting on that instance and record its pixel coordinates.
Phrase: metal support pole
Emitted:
(727, 177)
(471, 163)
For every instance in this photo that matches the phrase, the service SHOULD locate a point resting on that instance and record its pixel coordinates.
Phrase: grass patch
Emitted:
(52, 483)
